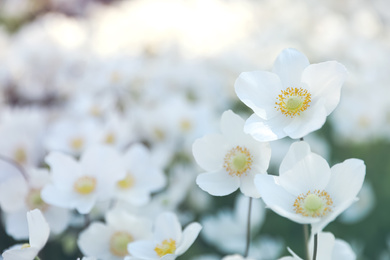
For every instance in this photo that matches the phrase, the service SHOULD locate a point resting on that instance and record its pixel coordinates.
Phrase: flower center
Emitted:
(118, 243)
(20, 155)
(166, 247)
(27, 245)
(127, 182)
(293, 101)
(313, 204)
(85, 185)
(110, 138)
(77, 143)
(34, 200)
(237, 161)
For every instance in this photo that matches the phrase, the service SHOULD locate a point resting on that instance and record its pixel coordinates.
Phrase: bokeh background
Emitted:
(162, 72)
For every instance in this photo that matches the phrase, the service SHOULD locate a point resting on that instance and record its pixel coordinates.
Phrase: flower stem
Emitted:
(306, 235)
(315, 246)
(37, 258)
(248, 228)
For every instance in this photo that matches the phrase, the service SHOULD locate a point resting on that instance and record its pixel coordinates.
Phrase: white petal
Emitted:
(325, 80)
(20, 254)
(209, 151)
(16, 224)
(289, 66)
(38, 229)
(297, 151)
(346, 180)
(342, 250)
(63, 169)
(266, 130)
(278, 199)
(309, 174)
(248, 187)
(218, 183)
(259, 90)
(167, 226)
(53, 196)
(310, 120)
(85, 203)
(232, 126)
(13, 193)
(143, 249)
(95, 240)
(190, 233)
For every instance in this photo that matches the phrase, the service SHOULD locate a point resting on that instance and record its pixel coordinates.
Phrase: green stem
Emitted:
(306, 235)
(315, 246)
(37, 258)
(248, 228)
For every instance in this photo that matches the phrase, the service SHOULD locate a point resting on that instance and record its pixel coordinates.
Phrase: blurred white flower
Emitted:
(236, 257)
(109, 241)
(142, 178)
(227, 229)
(361, 208)
(231, 159)
(17, 196)
(80, 184)
(71, 135)
(328, 248)
(294, 99)
(307, 190)
(38, 235)
(169, 240)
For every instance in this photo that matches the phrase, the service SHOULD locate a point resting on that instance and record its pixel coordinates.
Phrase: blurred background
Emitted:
(162, 72)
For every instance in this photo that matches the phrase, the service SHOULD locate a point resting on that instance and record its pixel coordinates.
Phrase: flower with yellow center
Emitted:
(231, 159)
(38, 235)
(168, 243)
(307, 190)
(292, 100)
(34, 200)
(80, 184)
(109, 240)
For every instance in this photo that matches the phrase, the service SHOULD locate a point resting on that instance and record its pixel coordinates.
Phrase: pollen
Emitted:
(168, 246)
(238, 161)
(293, 101)
(118, 243)
(77, 143)
(126, 183)
(313, 204)
(85, 185)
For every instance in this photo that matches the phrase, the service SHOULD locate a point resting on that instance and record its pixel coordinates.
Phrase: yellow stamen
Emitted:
(127, 182)
(85, 185)
(27, 245)
(118, 243)
(293, 101)
(166, 247)
(20, 155)
(238, 161)
(110, 138)
(313, 204)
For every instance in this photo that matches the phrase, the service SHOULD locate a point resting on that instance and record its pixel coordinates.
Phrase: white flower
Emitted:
(18, 195)
(109, 241)
(236, 257)
(328, 248)
(80, 184)
(294, 99)
(169, 240)
(38, 234)
(231, 160)
(142, 178)
(307, 191)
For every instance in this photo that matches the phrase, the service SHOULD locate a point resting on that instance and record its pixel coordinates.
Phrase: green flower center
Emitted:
(34, 200)
(293, 101)
(313, 204)
(238, 161)
(118, 243)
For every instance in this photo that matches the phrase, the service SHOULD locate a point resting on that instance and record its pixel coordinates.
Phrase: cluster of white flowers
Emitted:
(107, 117)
